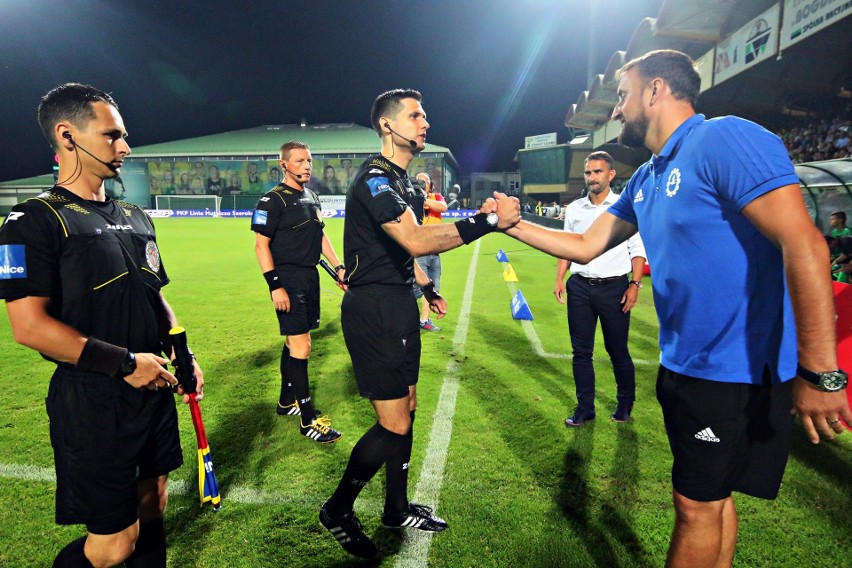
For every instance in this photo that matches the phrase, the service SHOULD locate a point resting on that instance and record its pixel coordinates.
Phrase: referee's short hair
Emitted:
(70, 102)
(287, 147)
(389, 103)
(601, 155)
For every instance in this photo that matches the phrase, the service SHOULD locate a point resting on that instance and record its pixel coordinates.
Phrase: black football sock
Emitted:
(286, 398)
(396, 489)
(150, 549)
(72, 556)
(367, 458)
(297, 371)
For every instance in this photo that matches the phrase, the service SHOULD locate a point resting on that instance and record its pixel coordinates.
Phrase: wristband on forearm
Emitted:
(429, 292)
(101, 357)
(272, 280)
(474, 227)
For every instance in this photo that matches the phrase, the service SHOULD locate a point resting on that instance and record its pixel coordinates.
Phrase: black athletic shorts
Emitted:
(302, 285)
(726, 436)
(106, 437)
(382, 332)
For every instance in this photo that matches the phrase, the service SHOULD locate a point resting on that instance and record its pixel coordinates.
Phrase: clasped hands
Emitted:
(508, 210)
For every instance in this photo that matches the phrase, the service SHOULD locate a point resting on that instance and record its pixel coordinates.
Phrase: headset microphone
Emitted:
(411, 142)
(67, 135)
(295, 175)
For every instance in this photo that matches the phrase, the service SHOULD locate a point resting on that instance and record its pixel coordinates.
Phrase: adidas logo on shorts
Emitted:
(707, 435)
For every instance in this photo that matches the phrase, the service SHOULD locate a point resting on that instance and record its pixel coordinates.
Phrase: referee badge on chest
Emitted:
(152, 255)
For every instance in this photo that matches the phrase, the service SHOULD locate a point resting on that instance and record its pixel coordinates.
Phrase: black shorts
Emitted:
(726, 436)
(302, 286)
(106, 437)
(382, 332)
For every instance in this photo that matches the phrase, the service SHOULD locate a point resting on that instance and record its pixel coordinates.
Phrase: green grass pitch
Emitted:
(517, 487)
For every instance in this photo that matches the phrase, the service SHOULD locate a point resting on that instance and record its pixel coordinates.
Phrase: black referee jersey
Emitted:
(97, 261)
(292, 220)
(380, 192)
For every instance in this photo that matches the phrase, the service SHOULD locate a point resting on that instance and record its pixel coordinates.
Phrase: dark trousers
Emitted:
(586, 305)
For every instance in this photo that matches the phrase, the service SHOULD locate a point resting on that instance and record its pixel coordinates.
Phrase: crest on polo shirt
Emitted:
(152, 255)
(673, 183)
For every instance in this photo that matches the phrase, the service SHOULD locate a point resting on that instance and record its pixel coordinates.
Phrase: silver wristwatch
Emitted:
(828, 381)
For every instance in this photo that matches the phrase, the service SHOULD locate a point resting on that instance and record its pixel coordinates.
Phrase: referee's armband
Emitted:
(272, 280)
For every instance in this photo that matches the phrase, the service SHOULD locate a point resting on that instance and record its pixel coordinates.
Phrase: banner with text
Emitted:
(803, 18)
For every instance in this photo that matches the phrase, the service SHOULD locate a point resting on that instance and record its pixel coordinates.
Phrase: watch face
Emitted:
(833, 381)
(492, 219)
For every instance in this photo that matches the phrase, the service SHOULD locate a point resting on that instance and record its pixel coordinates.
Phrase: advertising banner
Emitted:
(756, 41)
(803, 18)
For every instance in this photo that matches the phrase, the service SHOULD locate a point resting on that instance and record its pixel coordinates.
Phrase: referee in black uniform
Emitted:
(288, 242)
(81, 275)
(380, 316)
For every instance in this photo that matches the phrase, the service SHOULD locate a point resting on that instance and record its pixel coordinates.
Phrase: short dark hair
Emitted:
(70, 102)
(287, 147)
(601, 155)
(675, 68)
(389, 103)
(840, 215)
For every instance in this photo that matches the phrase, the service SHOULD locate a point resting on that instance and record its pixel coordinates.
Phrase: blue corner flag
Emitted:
(501, 256)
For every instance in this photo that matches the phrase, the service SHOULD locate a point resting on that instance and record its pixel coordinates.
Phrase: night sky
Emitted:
(491, 72)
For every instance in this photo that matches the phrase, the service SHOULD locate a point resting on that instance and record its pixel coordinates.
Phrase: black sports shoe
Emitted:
(622, 412)
(320, 430)
(348, 532)
(417, 517)
(579, 418)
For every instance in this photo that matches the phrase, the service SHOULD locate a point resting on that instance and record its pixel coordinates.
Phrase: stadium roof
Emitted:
(266, 140)
(801, 79)
(342, 140)
(42, 181)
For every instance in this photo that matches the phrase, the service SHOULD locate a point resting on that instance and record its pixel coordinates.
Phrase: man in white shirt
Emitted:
(600, 291)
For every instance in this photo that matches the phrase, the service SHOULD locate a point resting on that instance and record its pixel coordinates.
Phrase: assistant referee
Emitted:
(289, 239)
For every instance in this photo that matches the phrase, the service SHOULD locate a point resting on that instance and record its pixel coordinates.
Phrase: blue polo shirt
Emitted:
(719, 287)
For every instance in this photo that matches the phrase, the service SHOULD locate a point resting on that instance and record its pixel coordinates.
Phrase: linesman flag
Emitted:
(208, 487)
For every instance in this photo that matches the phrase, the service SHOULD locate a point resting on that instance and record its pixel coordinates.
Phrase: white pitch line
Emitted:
(415, 547)
(230, 493)
(535, 342)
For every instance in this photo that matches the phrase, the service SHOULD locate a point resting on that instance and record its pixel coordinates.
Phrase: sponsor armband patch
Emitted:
(13, 262)
(259, 217)
(378, 185)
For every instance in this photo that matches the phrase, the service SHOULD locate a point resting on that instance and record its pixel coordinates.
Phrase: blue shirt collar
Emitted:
(675, 139)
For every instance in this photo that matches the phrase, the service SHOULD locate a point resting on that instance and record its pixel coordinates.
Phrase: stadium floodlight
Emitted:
(188, 203)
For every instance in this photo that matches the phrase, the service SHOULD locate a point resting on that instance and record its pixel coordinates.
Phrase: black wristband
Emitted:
(474, 227)
(272, 280)
(339, 267)
(429, 292)
(101, 357)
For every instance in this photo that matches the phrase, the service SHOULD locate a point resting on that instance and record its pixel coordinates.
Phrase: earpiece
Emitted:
(67, 135)
(411, 142)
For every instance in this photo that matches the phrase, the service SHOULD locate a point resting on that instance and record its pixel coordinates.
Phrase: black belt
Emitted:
(600, 281)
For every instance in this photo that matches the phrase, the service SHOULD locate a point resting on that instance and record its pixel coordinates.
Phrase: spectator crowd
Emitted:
(818, 140)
